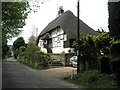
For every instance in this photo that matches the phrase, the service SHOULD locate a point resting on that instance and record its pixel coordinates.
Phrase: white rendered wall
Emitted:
(40, 44)
(55, 48)
(59, 50)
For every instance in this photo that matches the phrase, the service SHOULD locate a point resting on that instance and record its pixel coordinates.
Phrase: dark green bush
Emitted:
(115, 49)
(94, 79)
(115, 59)
(105, 65)
(34, 57)
(116, 70)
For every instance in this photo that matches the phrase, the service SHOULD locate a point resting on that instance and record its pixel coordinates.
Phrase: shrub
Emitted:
(22, 52)
(115, 49)
(17, 44)
(105, 65)
(33, 57)
(87, 48)
(115, 59)
(94, 79)
(102, 43)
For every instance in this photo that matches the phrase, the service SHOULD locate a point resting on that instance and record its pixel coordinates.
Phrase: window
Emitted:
(61, 37)
(44, 43)
(58, 38)
(54, 40)
(65, 37)
(41, 43)
(58, 41)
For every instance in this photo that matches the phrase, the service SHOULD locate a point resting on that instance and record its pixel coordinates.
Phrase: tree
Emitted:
(87, 48)
(32, 39)
(5, 47)
(101, 30)
(91, 49)
(114, 19)
(13, 18)
(103, 42)
(18, 43)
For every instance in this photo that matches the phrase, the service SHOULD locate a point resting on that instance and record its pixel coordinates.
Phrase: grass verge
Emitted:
(94, 79)
(32, 65)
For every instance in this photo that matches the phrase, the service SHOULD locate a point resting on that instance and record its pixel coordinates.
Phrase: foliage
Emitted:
(115, 49)
(92, 48)
(105, 65)
(87, 48)
(22, 52)
(115, 59)
(98, 47)
(13, 18)
(85, 45)
(32, 48)
(33, 57)
(32, 39)
(114, 19)
(5, 49)
(17, 44)
(102, 43)
(101, 30)
(94, 79)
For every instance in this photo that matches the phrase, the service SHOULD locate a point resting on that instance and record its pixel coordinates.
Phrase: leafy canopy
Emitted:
(18, 43)
(13, 17)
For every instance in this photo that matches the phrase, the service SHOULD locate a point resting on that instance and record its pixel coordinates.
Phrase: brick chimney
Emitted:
(60, 10)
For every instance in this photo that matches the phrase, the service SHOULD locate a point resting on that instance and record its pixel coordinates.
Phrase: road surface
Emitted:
(16, 75)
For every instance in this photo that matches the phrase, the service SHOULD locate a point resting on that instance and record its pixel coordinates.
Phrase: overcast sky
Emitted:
(93, 12)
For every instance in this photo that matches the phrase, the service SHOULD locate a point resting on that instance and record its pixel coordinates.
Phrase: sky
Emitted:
(93, 12)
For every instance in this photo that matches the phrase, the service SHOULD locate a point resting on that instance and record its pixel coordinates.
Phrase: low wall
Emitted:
(63, 58)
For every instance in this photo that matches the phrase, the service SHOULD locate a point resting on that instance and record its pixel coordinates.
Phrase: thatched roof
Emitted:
(68, 22)
(114, 1)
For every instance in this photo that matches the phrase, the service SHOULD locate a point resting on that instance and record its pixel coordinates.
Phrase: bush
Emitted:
(22, 52)
(94, 79)
(115, 49)
(116, 70)
(43, 59)
(33, 57)
(105, 65)
(87, 48)
(115, 59)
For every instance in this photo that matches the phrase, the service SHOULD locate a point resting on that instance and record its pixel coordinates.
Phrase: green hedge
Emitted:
(115, 49)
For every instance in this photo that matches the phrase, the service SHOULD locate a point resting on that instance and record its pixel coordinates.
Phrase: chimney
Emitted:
(60, 10)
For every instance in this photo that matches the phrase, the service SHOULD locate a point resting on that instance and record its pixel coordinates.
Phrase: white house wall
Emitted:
(58, 38)
(59, 50)
(41, 46)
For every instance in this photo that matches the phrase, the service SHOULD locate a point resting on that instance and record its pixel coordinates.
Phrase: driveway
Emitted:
(60, 72)
(16, 75)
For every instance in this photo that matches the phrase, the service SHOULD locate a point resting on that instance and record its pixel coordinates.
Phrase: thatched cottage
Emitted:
(58, 35)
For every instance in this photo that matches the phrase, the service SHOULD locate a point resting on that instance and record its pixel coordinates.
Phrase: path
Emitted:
(60, 72)
(16, 75)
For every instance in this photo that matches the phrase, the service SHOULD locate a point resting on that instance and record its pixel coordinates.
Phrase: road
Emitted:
(16, 75)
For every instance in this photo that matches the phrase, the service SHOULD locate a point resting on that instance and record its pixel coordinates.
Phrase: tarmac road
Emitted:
(16, 75)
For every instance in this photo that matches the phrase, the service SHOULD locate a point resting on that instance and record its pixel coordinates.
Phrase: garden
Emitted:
(31, 55)
(99, 62)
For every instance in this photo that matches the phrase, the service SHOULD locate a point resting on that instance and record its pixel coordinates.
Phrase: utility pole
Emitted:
(78, 36)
